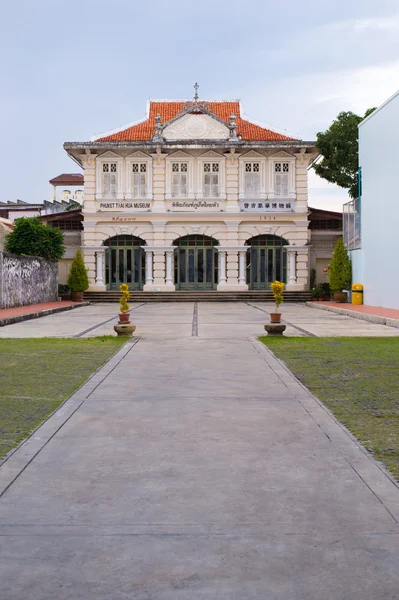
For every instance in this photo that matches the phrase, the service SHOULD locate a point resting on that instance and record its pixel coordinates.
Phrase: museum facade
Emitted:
(195, 197)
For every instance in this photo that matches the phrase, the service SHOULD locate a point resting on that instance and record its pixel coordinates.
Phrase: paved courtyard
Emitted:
(208, 320)
(193, 466)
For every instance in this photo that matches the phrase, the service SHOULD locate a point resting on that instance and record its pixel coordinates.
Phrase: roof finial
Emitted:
(196, 86)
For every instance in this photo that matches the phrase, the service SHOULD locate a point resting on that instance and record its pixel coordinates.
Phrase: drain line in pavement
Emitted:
(284, 321)
(82, 333)
(194, 329)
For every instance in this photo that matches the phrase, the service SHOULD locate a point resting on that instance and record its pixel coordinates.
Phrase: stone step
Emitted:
(196, 296)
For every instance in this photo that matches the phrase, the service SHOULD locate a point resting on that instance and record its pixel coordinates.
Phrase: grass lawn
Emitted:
(357, 379)
(36, 375)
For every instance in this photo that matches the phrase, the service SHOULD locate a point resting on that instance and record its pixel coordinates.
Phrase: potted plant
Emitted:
(78, 281)
(124, 327)
(340, 272)
(277, 288)
(275, 327)
(124, 315)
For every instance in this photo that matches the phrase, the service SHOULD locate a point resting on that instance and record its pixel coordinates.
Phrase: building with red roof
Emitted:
(195, 196)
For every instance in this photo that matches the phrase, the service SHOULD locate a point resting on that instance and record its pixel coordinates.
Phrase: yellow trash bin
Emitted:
(357, 293)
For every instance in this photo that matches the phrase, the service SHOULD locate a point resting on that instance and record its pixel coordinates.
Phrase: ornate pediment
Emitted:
(138, 154)
(282, 154)
(194, 126)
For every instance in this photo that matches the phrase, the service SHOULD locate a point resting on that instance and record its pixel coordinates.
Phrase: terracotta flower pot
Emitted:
(77, 296)
(341, 296)
(124, 317)
(275, 317)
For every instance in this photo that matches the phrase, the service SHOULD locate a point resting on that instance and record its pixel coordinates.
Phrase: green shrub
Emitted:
(340, 268)
(78, 280)
(31, 238)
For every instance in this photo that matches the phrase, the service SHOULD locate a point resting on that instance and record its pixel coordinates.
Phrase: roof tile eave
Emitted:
(144, 130)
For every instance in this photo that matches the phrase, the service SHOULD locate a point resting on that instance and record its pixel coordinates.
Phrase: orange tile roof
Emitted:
(168, 110)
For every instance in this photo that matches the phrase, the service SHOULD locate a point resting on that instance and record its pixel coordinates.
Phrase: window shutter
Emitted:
(112, 184)
(136, 187)
(106, 185)
(183, 184)
(215, 185)
(207, 185)
(255, 185)
(284, 184)
(175, 185)
(142, 185)
(248, 185)
(277, 184)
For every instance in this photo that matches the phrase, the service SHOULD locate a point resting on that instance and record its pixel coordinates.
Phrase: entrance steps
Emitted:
(197, 296)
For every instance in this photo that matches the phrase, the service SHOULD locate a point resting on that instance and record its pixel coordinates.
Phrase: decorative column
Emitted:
(292, 267)
(222, 268)
(242, 279)
(298, 267)
(232, 269)
(169, 280)
(148, 267)
(100, 267)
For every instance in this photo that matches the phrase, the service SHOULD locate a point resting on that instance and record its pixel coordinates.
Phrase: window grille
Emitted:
(179, 180)
(139, 180)
(109, 180)
(281, 179)
(211, 180)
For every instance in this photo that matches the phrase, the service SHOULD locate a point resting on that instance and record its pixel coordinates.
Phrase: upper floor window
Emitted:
(109, 180)
(252, 180)
(179, 179)
(211, 180)
(281, 179)
(139, 180)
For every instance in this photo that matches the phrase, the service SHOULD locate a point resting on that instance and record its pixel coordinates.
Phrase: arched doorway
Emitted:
(196, 263)
(125, 262)
(266, 261)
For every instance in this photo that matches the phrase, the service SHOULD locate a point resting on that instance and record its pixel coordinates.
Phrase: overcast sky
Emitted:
(73, 68)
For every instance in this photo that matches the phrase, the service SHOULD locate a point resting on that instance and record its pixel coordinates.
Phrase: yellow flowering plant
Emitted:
(277, 288)
(124, 306)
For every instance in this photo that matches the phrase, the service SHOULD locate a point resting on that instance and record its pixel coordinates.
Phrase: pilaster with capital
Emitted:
(232, 181)
(158, 182)
(89, 189)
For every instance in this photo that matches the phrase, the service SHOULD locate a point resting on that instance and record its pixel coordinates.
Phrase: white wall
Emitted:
(379, 160)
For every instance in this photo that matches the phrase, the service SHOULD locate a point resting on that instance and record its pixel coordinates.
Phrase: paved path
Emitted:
(193, 468)
(210, 320)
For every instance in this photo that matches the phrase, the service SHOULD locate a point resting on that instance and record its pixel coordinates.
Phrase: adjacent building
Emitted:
(371, 221)
(195, 196)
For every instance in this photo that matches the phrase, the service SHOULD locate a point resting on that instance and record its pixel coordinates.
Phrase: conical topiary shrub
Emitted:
(340, 268)
(78, 280)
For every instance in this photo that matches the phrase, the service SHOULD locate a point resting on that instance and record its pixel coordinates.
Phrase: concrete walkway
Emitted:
(210, 320)
(194, 468)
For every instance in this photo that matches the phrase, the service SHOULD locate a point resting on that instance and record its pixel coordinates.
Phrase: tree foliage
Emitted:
(31, 238)
(339, 148)
(78, 280)
(340, 268)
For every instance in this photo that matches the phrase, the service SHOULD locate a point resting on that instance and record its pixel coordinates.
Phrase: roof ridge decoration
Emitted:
(195, 106)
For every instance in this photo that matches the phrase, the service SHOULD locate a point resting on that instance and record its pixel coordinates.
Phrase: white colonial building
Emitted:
(195, 197)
